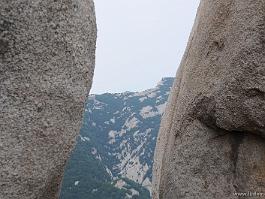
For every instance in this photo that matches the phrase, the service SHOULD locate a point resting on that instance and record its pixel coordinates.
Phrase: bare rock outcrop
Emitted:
(211, 142)
(47, 52)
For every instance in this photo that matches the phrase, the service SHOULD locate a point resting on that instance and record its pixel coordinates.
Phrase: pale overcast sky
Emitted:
(139, 42)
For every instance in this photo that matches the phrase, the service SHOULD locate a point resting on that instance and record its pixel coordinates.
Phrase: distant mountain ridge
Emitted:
(114, 153)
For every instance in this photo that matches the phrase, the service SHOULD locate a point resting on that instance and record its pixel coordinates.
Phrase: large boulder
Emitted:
(211, 142)
(47, 52)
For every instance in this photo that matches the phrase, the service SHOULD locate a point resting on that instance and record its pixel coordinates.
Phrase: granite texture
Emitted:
(211, 141)
(47, 55)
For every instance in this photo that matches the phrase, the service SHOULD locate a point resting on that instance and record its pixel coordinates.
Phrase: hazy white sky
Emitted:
(139, 42)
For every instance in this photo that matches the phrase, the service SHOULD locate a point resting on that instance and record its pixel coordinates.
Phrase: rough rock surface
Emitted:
(47, 51)
(211, 142)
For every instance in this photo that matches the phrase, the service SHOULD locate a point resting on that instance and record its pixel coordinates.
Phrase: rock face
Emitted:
(47, 51)
(211, 142)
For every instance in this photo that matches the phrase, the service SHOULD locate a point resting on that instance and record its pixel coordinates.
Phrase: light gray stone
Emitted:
(47, 55)
(211, 142)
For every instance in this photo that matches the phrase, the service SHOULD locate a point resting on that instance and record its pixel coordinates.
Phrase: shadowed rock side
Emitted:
(211, 142)
(47, 51)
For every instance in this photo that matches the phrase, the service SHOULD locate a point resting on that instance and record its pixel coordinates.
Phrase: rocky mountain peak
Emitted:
(118, 139)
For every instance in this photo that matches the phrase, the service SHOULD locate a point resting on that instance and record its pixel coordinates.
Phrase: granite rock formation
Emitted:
(47, 52)
(211, 141)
